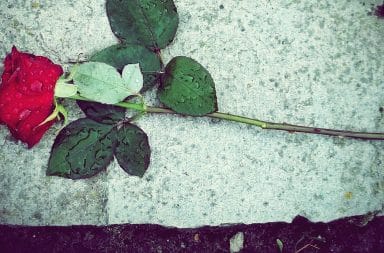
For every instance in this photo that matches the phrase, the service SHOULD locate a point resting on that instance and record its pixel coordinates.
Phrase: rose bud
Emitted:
(27, 95)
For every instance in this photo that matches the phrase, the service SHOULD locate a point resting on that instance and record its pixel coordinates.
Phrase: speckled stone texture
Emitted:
(302, 62)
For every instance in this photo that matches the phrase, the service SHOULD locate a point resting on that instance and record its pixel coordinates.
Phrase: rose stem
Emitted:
(259, 123)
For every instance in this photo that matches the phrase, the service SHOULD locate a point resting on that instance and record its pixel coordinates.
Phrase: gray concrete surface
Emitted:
(304, 62)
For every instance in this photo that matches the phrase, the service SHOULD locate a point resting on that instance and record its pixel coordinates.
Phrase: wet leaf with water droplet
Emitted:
(107, 114)
(152, 23)
(120, 55)
(133, 78)
(188, 88)
(132, 150)
(101, 83)
(82, 149)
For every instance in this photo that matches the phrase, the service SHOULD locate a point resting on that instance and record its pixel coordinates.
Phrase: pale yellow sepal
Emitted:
(59, 111)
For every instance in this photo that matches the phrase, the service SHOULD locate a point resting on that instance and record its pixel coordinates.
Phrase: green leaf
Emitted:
(132, 150)
(152, 23)
(119, 56)
(188, 88)
(122, 54)
(101, 83)
(63, 89)
(82, 149)
(133, 78)
(107, 114)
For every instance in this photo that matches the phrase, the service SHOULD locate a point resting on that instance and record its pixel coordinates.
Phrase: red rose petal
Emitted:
(36, 86)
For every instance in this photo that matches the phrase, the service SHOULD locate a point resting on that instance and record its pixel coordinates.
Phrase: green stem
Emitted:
(259, 123)
(133, 106)
(296, 128)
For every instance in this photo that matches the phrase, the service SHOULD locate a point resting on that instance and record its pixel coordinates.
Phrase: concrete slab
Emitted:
(302, 62)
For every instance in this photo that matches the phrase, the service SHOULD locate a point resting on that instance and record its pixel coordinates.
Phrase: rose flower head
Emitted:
(27, 95)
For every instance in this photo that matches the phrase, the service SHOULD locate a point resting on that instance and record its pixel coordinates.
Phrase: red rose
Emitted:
(27, 95)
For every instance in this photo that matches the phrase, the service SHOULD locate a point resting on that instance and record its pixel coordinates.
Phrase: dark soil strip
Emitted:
(353, 234)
